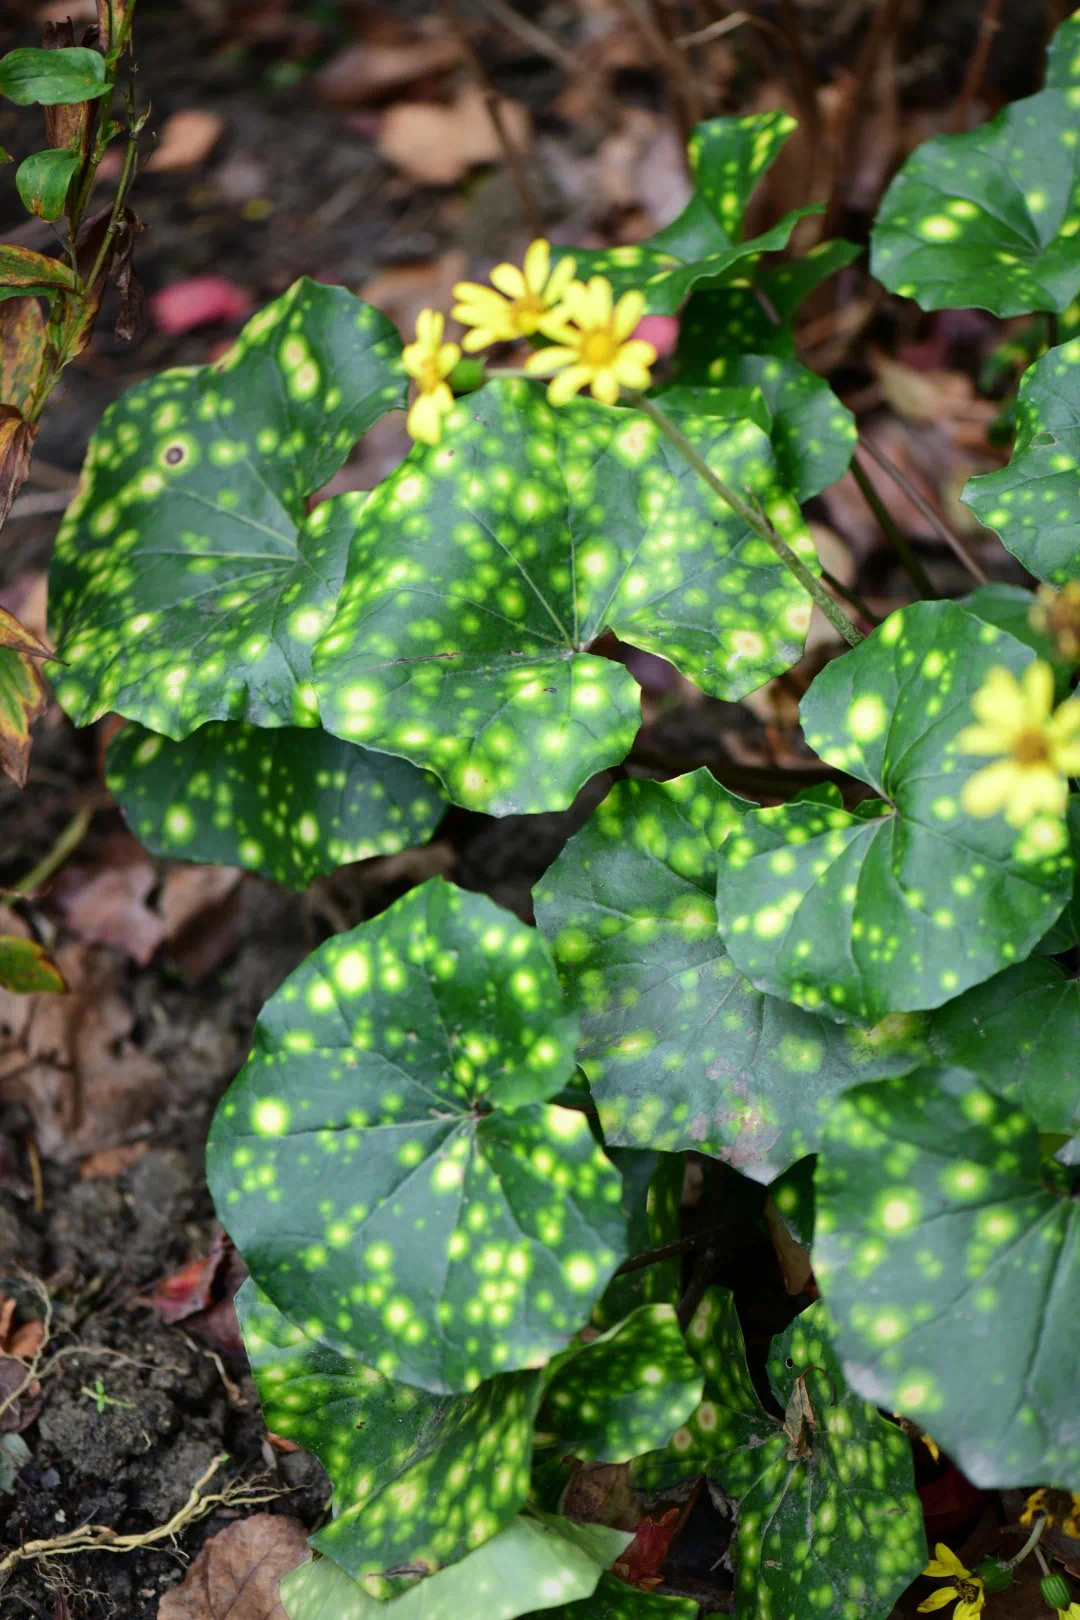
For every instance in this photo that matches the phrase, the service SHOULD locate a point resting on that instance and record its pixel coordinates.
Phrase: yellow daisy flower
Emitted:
(593, 346)
(1041, 746)
(967, 1589)
(522, 305)
(1071, 1613)
(430, 361)
(1057, 1507)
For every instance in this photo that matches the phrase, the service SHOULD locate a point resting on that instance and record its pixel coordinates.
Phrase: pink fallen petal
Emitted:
(198, 302)
(662, 331)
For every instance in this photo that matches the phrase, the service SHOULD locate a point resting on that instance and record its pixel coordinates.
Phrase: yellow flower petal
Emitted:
(509, 280)
(1037, 684)
(1066, 757)
(479, 338)
(999, 702)
(1066, 718)
(969, 1608)
(560, 279)
(536, 265)
(605, 386)
(546, 361)
(424, 421)
(987, 792)
(429, 328)
(980, 740)
(945, 1562)
(626, 314)
(567, 383)
(632, 364)
(1039, 788)
(938, 1600)
(447, 358)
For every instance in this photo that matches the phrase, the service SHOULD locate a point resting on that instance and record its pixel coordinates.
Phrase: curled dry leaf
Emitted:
(369, 72)
(236, 1575)
(16, 445)
(71, 1060)
(437, 144)
(17, 1347)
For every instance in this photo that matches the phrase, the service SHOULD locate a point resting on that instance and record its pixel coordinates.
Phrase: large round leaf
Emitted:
(680, 1049)
(728, 157)
(290, 803)
(1034, 502)
(383, 1162)
(736, 320)
(1020, 1033)
(483, 572)
(625, 1392)
(987, 218)
(908, 901)
(188, 584)
(812, 434)
(536, 1562)
(1063, 56)
(419, 1480)
(951, 1269)
(828, 1519)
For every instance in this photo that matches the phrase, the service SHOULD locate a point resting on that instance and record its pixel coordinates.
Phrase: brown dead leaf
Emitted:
(601, 1493)
(201, 1294)
(22, 701)
(71, 1060)
(108, 1163)
(236, 1575)
(437, 144)
(105, 904)
(22, 349)
(792, 1256)
(933, 396)
(368, 72)
(187, 139)
(16, 445)
(17, 1347)
(26, 596)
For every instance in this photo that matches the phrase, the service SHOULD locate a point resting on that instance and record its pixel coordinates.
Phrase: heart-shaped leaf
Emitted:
(419, 1480)
(828, 1518)
(746, 320)
(812, 434)
(652, 1185)
(440, 1220)
(1020, 1033)
(289, 803)
(987, 218)
(951, 1269)
(907, 901)
(52, 78)
(728, 157)
(626, 1392)
(483, 572)
(1034, 502)
(680, 1049)
(536, 1562)
(188, 584)
(1063, 56)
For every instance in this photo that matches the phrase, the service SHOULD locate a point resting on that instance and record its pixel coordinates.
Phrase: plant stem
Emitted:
(1029, 1545)
(126, 177)
(71, 837)
(900, 543)
(989, 24)
(667, 1251)
(940, 528)
(759, 524)
(850, 596)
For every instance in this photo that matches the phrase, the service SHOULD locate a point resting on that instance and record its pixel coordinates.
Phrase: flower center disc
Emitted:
(527, 311)
(1030, 748)
(430, 375)
(599, 348)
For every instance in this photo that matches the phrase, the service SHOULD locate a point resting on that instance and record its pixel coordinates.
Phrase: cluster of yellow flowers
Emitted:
(589, 336)
(1038, 744)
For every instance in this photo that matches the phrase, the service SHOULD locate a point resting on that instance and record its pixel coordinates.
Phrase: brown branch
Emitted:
(989, 23)
(939, 526)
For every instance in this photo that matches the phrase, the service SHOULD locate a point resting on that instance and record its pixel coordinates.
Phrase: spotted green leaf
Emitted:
(625, 1392)
(615, 1600)
(827, 1516)
(812, 434)
(290, 803)
(482, 572)
(419, 1480)
(384, 1161)
(680, 1049)
(737, 320)
(728, 157)
(1063, 56)
(1033, 503)
(1009, 607)
(537, 1562)
(188, 583)
(987, 218)
(906, 902)
(951, 1268)
(1020, 1033)
(1066, 931)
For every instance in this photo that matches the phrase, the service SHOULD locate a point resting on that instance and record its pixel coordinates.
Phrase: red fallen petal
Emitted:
(198, 302)
(662, 331)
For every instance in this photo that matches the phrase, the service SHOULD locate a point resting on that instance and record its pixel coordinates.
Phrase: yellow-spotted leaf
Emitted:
(907, 901)
(190, 582)
(948, 1253)
(291, 803)
(483, 573)
(680, 1049)
(386, 1161)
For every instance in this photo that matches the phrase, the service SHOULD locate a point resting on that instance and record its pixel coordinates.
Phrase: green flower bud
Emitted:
(467, 375)
(993, 1574)
(1055, 1591)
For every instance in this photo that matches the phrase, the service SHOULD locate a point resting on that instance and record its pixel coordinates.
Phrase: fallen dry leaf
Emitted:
(200, 1295)
(17, 1346)
(199, 301)
(640, 1563)
(71, 1061)
(186, 139)
(437, 144)
(111, 1162)
(106, 904)
(368, 72)
(236, 1575)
